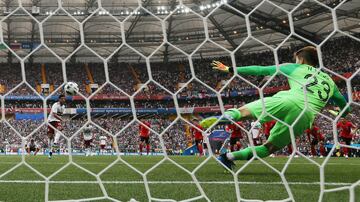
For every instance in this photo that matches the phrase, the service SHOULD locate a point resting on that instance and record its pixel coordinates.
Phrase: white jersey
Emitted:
(56, 109)
(103, 140)
(6, 143)
(7, 146)
(255, 129)
(87, 133)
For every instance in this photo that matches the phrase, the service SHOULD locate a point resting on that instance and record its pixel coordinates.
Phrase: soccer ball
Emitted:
(71, 88)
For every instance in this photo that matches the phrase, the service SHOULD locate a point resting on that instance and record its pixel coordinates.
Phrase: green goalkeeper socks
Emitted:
(247, 153)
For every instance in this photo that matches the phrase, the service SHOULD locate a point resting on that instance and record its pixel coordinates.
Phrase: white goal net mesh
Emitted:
(142, 50)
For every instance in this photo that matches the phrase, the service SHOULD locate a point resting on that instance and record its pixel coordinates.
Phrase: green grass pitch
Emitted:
(167, 181)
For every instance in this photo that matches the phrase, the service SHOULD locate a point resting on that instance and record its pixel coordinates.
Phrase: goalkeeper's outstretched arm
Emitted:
(255, 70)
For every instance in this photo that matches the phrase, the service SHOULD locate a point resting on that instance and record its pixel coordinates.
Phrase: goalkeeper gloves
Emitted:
(336, 113)
(333, 112)
(220, 66)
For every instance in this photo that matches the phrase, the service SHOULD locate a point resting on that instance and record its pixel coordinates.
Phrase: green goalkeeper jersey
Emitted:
(319, 88)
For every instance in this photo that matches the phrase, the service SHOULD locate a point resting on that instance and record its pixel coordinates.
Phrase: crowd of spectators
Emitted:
(339, 55)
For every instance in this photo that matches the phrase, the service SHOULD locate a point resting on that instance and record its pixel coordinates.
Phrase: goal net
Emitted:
(145, 82)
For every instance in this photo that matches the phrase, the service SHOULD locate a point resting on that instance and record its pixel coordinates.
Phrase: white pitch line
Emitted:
(100, 163)
(84, 199)
(172, 182)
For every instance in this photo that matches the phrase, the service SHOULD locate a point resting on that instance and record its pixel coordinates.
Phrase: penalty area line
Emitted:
(145, 163)
(172, 182)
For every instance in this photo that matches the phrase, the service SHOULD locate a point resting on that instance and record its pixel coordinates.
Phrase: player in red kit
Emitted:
(344, 127)
(144, 136)
(267, 126)
(197, 135)
(236, 135)
(317, 138)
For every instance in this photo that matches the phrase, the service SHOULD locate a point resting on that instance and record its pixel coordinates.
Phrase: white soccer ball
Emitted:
(71, 88)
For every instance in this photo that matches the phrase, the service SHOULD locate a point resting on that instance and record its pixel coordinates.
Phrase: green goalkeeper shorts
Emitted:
(284, 110)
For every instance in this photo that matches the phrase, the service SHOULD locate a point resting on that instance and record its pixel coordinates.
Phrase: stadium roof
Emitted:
(224, 20)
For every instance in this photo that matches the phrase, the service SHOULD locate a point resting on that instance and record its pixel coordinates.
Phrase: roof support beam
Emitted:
(222, 31)
(269, 21)
(218, 26)
(136, 20)
(128, 32)
(8, 22)
(132, 26)
(168, 33)
(89, 4)
(288, 2)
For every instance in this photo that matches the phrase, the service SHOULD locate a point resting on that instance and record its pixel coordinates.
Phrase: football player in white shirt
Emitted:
(32, 147)
(88, 138)
(103, 140)
(54, 123)
(7, 146)
(255, 131)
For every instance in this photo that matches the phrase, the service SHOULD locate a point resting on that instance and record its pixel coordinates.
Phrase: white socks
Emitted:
(57, 137)
(230, 156)
(50, 142)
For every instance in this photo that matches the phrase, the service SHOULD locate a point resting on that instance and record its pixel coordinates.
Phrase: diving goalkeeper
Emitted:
(284, 105)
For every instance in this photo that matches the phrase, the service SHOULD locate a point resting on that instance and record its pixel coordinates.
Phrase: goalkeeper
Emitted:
(285, 105)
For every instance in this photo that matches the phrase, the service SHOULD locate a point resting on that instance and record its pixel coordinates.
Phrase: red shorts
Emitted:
(55, 124)
(144, 139)
(346, 140)
(87, 143)
(102, 146)
(234, 140)
(257, 141)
